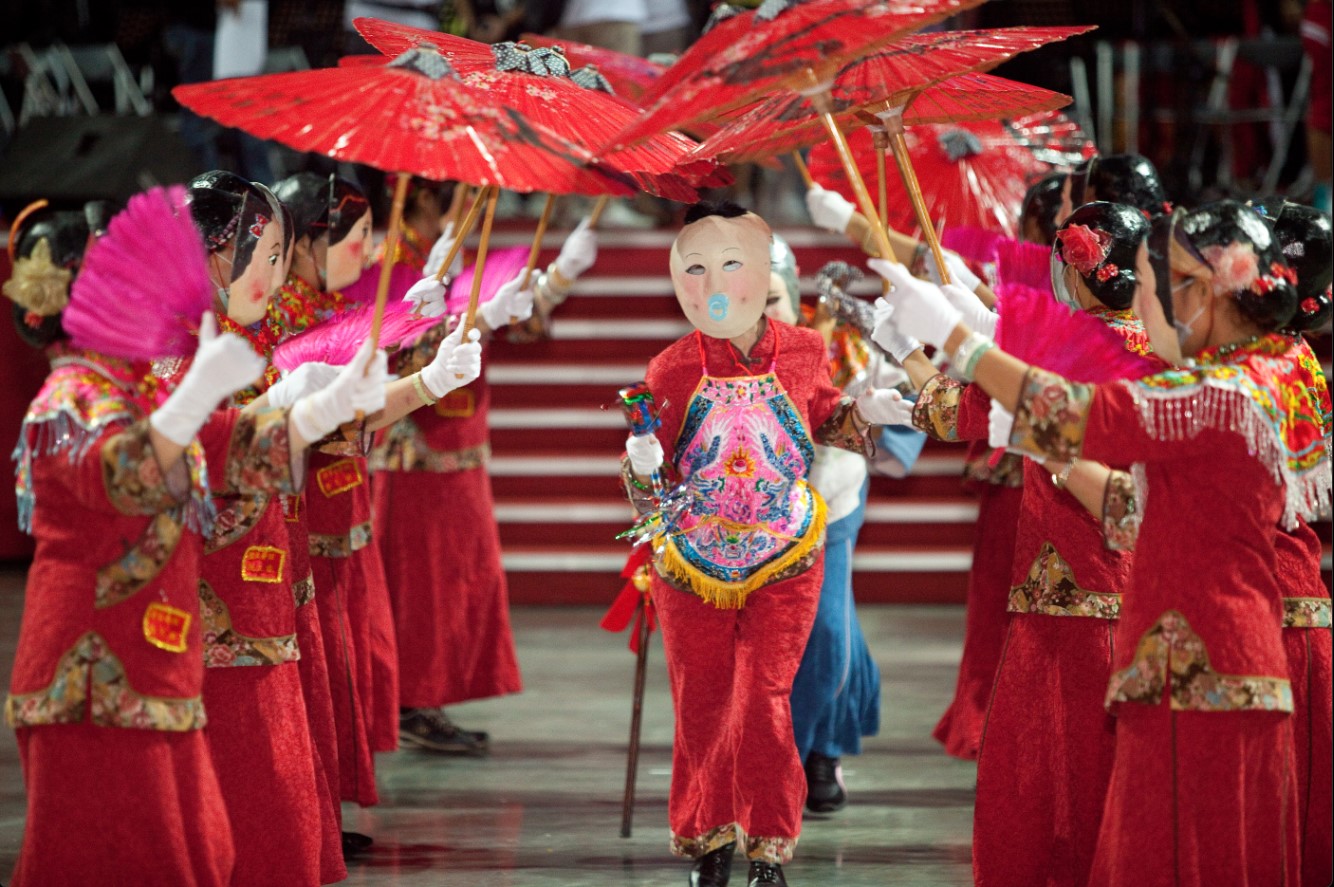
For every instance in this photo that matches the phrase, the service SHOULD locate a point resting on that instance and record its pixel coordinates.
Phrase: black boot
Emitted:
(762, 873)
(355, 843)
(824, 784)
(714, 868)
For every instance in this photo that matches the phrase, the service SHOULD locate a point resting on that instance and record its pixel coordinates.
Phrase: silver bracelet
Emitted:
(970, 351)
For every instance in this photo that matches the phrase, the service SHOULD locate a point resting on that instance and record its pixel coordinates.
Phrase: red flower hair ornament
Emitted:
(1083, 247)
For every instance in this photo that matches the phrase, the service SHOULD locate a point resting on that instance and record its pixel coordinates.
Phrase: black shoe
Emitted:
(431, 729)
(762, 873)
(825, 791)
(355, 843)
(714, 868)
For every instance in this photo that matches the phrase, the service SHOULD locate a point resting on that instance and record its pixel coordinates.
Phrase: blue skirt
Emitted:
(836, 695)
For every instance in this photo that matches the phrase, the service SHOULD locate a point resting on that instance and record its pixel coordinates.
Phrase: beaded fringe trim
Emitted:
(1182, 413)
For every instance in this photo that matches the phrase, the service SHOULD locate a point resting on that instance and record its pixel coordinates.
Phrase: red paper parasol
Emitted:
(410, 116)
(629, 75)
(787, 122)
(973, 174)
(792, 44)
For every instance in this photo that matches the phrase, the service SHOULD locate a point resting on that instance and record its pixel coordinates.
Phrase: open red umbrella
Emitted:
(800, 44)
(787, 122)
(780, 45)
(411, 116)
(972, 174)
(906, 72)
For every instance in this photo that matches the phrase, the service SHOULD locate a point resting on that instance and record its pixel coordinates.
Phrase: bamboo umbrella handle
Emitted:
(880, 145)
(390, 250)
(909, 176)
(537, 240)
(823, 105)
(463, 231)
(480, 264)
(456, 203)
(597, 210)
(804, 170)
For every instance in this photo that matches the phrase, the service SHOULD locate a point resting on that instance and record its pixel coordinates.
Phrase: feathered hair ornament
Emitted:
(144, 285)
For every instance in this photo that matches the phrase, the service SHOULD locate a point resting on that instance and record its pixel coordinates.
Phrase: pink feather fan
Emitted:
(976, 245)
(502, 266)
(335, 341)
(1038, 330)
(144, 285)
(1027, 264)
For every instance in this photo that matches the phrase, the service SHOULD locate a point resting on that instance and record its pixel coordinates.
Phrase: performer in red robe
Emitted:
(109, 665)
(261, 741)
(1040, 794)
(451, 603)
(1202, 789)
(738, 565)
(1305, 236)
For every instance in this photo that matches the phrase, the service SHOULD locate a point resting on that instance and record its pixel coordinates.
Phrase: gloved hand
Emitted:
(1000, 424)
(920, 308)
(455, 363)
(645, 453)
(960, 273)
(305, 379)
(439, 250)
(887, 336)
(427, 297)
(828, 209)
(510, 304)
(885, 406)
(223, 365)
(578, 252)
(978, 317)
(354, 390)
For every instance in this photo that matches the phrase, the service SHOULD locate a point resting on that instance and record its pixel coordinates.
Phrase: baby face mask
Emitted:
(720, 271)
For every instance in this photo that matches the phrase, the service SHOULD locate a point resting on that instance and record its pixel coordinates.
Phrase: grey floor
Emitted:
(545, 808)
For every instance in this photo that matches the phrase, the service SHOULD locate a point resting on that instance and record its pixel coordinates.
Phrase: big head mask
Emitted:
(720, 269)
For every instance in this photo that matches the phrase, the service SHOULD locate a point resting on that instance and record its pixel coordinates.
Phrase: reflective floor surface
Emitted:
(545, 807)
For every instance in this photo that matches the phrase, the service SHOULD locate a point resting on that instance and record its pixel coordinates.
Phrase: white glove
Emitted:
(509, 305)
(427, 297)
(975, 314)
(887, 336)
(920, 308)
(960, 273)
(223, 365)
(305, 379)
(439, 250)
(354, 390)
(455, 364)
(645, 453)
(578, 252)
(828, 209)
(1000, 424)
(885, 406)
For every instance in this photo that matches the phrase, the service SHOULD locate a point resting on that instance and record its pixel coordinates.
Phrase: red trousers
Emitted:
(1309, 662)
(108, 805)
(960, 727)
(1046, 754)
(734, 763)
(1199, 799)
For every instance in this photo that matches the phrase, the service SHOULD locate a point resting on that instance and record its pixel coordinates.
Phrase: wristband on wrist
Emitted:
(423, 393)
(970, 351)
(558, 281)
(1060, 480)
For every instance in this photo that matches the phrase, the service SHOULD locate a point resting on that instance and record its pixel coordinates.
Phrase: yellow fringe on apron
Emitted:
(732, 595)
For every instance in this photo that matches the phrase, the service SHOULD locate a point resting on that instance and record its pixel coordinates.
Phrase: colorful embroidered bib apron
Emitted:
(744, 453)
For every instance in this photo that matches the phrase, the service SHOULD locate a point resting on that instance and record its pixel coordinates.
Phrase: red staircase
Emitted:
(557, 435)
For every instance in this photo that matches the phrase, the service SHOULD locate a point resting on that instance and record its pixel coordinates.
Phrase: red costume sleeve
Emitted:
(251, 453)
